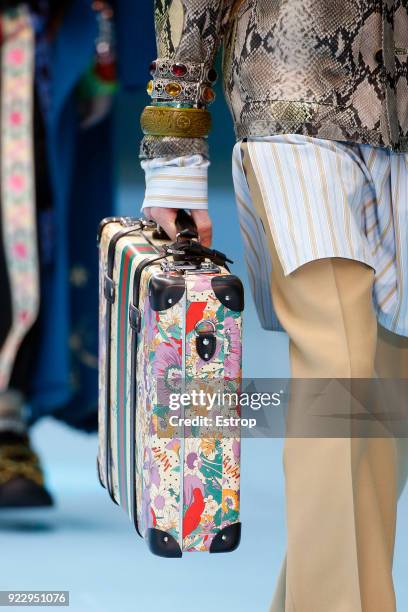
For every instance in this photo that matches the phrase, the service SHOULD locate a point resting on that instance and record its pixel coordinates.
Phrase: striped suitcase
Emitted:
(167, 320)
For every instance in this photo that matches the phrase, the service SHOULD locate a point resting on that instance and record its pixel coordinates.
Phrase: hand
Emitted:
(166, 218)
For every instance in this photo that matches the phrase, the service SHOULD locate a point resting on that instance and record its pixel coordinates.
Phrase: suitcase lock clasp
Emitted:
(206, 341)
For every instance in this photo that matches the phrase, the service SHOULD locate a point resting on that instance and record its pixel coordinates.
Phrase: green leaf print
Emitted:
(218, 516)
(211, 469)
(174, 331)
(213, 488)
(219, 315)
(231, 515)
(161, 411)
(162, 333)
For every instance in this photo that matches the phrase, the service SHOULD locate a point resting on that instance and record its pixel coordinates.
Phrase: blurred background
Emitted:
(87, 545)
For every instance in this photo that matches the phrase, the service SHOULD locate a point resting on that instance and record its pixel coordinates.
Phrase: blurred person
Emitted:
(60, 61)
(319, 97)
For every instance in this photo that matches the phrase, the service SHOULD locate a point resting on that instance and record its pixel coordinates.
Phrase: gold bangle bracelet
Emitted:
(173, 121)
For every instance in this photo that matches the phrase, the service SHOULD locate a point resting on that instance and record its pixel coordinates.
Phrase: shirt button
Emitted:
(379, 56)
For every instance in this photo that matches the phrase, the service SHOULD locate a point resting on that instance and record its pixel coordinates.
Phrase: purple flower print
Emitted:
(191, 483)
(153, 427)
(167, 361)
(151, 469)
(236, 448)
(232, 365)
(174, 445)
(159, 502)
(167, 371)
(202, 283)
(150, 323)
(147, 518)
(191, 461)
(145, 374)
(208, 527)
(208, 533)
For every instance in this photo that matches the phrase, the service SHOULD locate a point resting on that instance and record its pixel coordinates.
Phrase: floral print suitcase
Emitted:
(166, 324)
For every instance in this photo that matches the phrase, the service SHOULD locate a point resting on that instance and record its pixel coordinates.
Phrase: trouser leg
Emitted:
(340, 505)
(391, 362)
(341, 497)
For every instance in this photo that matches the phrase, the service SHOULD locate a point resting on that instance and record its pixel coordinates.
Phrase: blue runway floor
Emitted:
(87, 545)
(89, 548)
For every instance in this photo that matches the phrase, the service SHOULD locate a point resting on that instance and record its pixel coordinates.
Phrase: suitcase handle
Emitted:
(191, 251)
(187, 246)
(184, 224)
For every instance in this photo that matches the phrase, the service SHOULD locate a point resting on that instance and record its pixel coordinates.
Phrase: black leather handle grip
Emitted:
(184, 224)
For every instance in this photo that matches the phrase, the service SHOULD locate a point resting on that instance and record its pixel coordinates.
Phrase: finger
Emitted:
(147, 212)
(204, 226)
(166, 218)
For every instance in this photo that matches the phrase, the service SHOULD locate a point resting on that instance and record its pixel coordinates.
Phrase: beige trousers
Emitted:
(341, 492)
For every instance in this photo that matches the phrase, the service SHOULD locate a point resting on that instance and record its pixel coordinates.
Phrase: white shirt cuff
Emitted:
(181, 182)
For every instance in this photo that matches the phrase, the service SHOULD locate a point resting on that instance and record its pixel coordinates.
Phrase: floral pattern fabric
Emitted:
(17, 181)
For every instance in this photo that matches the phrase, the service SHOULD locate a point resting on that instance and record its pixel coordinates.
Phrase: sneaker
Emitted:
(21, 477)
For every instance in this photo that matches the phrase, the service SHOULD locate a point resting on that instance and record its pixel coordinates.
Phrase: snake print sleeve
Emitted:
(188, 32)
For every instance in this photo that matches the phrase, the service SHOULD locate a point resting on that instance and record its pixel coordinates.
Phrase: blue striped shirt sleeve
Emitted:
(181, 182)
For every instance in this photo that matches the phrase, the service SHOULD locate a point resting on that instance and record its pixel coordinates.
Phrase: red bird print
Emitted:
(194, 314)
(193, 513)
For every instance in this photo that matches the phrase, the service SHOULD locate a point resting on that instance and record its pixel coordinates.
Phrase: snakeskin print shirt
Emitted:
(324, 68)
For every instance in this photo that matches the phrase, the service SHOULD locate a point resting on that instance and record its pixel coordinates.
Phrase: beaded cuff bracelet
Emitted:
(193, 72)
(189, 83)
(194, 93)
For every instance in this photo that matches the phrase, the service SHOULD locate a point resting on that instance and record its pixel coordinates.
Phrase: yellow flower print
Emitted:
(230, 500)
(172, 319)
(157, 341)
(207, 446)
(206, 518)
